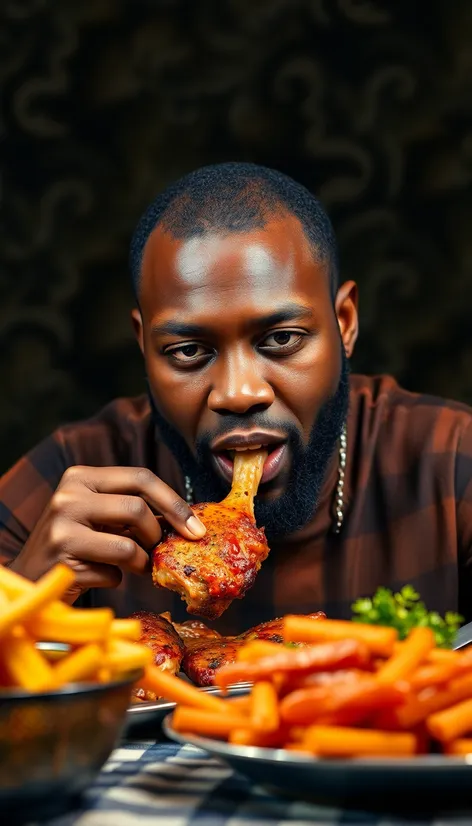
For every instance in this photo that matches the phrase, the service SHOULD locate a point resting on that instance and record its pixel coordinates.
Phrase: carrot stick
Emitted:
(262, 739)
(356, 700)
(264, 707)
(206, 723)
(434, 674)
(298, 746)
(413, 651)
(324, 678)
(431, 700)
(330, 741)
(178, 691)
(254, 650)
(240, 704)
(378, 639)
(459, 747)
(452, 722)
(443, 655)
(328, 656)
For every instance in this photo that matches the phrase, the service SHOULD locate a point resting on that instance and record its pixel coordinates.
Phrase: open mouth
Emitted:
(277, 456)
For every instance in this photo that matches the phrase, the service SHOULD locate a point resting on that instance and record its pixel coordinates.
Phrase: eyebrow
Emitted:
(289, 312)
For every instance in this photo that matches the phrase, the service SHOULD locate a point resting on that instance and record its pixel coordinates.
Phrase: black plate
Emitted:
(146, 718)
(421, 784)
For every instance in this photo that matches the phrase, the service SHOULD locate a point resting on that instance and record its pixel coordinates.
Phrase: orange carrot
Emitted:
(240, 704)
(299, 746)
(264, 707)
(356, 700)
(386, 719)
(434, 674)
(459, 747)
(176, 690)
(325, 657)
(431, 700)
(379, 640)
(443, 655)
(249, 737)
(254, 650)
(413, 651)
(330, 741)
(451, 723)
(206, 723)
(324, 678)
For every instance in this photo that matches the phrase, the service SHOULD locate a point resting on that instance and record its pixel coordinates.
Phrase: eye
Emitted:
(282, 342)
(190, 353)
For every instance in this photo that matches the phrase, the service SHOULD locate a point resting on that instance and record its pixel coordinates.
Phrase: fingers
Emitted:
(92, 575)
(125, 512)
(143, 483)
(76, 543)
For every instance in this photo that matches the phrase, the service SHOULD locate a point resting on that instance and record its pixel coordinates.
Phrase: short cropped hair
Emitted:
(234, 197)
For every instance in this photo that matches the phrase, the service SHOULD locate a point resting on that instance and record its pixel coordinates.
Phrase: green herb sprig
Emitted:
(404, 611)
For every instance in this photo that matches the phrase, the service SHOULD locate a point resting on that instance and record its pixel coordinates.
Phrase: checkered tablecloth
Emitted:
(163, 784)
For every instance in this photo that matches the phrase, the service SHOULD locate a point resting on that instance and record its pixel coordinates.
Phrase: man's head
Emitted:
(245, 332)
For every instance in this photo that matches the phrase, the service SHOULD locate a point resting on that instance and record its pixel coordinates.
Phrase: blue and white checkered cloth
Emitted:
(164, 784)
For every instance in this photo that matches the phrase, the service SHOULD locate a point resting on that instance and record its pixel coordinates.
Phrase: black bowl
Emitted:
(53, 744)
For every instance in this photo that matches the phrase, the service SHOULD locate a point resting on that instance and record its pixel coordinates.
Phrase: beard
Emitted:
(294, 508)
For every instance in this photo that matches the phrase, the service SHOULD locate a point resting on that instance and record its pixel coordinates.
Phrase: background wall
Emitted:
(366, 102)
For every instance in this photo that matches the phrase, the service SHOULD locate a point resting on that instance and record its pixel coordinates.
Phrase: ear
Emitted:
(345, 306)
(137, 322)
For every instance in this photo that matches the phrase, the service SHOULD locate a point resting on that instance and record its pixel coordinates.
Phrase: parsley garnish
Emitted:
(405, 611)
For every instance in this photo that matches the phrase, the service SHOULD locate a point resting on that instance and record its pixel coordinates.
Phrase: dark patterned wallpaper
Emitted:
(104, 102)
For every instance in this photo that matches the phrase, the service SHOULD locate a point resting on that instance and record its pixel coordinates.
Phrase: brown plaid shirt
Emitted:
(408, 498)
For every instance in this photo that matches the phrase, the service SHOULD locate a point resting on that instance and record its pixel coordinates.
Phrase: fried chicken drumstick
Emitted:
(165, 643)
(210, 572)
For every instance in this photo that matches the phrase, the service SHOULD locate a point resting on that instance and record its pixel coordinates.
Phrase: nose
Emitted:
(238, 386)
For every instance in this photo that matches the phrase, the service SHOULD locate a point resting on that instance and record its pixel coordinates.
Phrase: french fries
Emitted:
(101, 648)
(354, 691)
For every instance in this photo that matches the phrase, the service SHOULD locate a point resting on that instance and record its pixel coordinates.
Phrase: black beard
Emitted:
(296, 506)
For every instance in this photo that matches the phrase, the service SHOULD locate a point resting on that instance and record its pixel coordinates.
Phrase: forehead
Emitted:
(226, 271)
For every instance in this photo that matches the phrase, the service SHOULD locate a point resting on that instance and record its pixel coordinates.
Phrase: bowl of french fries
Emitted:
(343, 711)
(66, 677)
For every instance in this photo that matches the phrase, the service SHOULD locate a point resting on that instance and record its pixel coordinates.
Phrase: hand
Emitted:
(99, 522)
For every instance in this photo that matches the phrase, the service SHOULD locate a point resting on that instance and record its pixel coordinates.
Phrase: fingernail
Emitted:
(195, 526)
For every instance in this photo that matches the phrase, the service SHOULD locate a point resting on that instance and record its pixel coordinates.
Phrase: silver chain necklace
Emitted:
(339, 496)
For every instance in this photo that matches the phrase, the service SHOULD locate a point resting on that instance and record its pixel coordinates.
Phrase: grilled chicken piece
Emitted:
(192, 631)
(195, 632)
(210, 572)
(165, 643)
(201, 660)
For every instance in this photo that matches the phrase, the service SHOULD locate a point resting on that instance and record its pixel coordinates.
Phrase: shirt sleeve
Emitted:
(25, 490)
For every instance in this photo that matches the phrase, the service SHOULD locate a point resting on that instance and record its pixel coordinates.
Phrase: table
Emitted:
(164, 784)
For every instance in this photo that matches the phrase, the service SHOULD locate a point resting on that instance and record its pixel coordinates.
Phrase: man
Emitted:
(246, 336)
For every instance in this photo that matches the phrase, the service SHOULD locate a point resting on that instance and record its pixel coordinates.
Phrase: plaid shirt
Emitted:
(408, 507)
